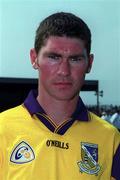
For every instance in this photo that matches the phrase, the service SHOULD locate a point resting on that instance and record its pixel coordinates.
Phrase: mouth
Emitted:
(63, 84)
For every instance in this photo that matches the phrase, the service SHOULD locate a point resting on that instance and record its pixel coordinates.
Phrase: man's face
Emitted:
(62, 63)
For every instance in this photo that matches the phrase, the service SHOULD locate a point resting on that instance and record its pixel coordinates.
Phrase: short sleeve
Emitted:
(116, 158)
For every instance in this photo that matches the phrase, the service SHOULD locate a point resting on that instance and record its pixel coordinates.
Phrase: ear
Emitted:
(90, 62)
(33, 57)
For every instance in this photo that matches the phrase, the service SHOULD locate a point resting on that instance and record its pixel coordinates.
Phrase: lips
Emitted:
(63, 84)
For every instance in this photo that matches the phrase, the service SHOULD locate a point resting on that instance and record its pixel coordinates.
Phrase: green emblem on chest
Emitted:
(89, 155)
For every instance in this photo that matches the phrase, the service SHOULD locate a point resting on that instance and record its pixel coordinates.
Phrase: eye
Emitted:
(76, 59)
(53, 57)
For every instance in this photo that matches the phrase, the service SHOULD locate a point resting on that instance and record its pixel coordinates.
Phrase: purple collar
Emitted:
(34, 107)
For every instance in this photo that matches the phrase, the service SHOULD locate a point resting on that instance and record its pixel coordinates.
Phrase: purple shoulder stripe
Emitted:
(116, 164)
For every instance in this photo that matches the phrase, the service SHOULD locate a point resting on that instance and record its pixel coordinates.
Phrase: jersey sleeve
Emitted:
(2, 155)
(1, 158)
(116, 158)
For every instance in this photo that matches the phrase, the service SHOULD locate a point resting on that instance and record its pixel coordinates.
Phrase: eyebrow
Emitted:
(52, 53)
(82, 55)
(78, 56)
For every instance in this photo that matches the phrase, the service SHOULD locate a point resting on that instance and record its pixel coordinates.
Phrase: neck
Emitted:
(57, 110)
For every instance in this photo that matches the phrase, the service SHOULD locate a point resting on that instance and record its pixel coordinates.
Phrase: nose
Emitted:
(64, 68)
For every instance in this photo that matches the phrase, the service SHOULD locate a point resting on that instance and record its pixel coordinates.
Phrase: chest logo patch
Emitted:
(89, 155)
(22, 153)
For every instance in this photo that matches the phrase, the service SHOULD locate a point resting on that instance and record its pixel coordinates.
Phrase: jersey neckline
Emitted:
(34, 108)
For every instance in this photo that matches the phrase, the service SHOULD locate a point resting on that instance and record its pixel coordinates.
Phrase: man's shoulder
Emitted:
(101, 125)
(13, 118)
(12, 113)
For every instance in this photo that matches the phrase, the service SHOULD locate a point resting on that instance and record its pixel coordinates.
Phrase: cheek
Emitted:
(46, 71)
(79, 73)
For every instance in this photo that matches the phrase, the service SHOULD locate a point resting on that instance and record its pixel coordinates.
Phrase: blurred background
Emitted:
(19, 20)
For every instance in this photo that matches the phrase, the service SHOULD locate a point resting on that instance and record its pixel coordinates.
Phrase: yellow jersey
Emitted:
(32, 146)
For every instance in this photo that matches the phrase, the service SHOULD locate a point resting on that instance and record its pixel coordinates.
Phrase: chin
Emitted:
(65, 97)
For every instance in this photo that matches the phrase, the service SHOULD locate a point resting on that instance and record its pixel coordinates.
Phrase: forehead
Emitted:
(64, 44)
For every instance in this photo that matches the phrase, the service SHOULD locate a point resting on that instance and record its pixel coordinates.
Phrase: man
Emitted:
(52, 135)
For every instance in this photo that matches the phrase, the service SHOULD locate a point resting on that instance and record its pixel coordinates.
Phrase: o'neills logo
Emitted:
(58, 144)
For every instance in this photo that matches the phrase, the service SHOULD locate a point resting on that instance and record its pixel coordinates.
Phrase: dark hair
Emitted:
(62, 24)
